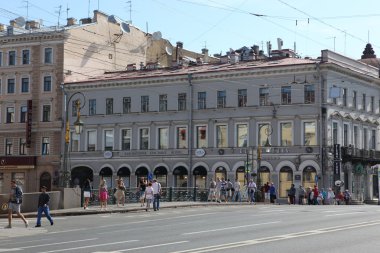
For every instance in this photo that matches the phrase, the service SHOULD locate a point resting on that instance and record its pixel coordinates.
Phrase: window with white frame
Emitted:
(201, 100)
(286, 134)
(242, 135)
(74, 142)
(163, 103)
(8, 146)
(345, 135)
(163, 138)
(45, 146)
(48, 55)
(221, 99)
(364, 102)
(264, 131)
(92, 107)
(11, 86)
(46, 113)
(264, 96)
(144, 138)
(201, 137)
(144, 103)
(91, 140)
(354, 99)
(221, 136)
(365, 138)
(286, 95)
(109, 106)
(372, 105)
(22, 146)
(182, 137)
(242, 97)
(373, 139)
(127, 105)
(108, 140)
(309, 133)
(24, 85)
(126, 139)
(335, 133)
(11, 58)
(344, 96)
(25, 56)
(10, 115)
(47, 84)
(356, 136)
(182, 102)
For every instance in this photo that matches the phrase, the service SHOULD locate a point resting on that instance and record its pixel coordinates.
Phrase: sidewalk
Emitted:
(129, 207)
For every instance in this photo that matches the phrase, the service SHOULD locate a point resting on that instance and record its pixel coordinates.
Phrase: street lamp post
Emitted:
(267, 146)
(78, 126)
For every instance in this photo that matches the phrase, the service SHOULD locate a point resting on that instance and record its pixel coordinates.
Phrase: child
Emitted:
(103, 194)
(149, 195)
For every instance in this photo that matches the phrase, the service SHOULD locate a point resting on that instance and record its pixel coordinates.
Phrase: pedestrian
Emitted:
(315, 195)
(347, 197)
(272, 193)
(237, 193)
(266, 192)
(142, 186)
(156, 195)
(212, 191)
(223, 190)
(87, 192)
(218, 189)
(103, 194)
(14, 204)
(149, 195)
(330, 197)
(43, 207)
(251, 191)
(230, 190)
(339, 198)
(120, 192)
(292, 195)
(301, 195)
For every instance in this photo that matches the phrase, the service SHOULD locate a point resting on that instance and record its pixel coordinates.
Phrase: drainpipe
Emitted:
(190, 124)
(322, 121)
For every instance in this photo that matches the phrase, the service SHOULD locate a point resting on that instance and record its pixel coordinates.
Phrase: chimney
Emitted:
(205, 55)
(84, 21)
(71, 21)
(178, 51)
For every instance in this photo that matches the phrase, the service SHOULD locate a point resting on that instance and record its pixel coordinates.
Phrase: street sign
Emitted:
(337, 153)
(337, 165)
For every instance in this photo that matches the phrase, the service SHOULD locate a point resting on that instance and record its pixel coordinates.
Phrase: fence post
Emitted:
(170, 194)
(195, 194)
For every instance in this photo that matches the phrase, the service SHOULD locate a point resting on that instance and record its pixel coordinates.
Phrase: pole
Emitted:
(190, 130)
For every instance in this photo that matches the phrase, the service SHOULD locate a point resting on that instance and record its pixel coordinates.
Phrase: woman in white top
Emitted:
(330, 197)
(149, 194)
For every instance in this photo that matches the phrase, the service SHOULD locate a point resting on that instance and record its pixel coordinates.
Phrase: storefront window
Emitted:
(240, 175)
(309, 130)
(144, 138)
(221, 136)
(264, 176)
(286, 134)
(308, 177)
(264, 133)
(163, 138)
(201, 137)
(180, 177)
(220, 173)
(182, 137)
(286, 180)
(242, 135)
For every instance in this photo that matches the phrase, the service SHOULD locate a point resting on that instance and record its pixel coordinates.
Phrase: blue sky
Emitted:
(223, 24)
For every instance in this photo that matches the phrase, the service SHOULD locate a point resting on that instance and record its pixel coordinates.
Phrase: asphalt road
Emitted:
(259, 228)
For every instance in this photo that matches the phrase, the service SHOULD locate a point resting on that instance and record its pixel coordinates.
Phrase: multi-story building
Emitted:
(34, 62)
(186, 126)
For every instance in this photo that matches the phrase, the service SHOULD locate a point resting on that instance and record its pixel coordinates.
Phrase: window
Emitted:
(74, 142)
(46, 113)
(45, 146)
(47, 83)
(335, 133)
(221, 99)
(108, 140)
(309, 133)
(11, 58)
(365, 138)
(144, 138)
(344, 97)
(74, 108)
(242, 135)
(10, 115)
(24, 85)
(48, 58)
(163, 103)
(373, 140)
(264, 96)
(242, 97)
(23, 112)
(182, 102)
(109, 106)
(286, 133)
(356, 136)
(144, 103)
(201, 135)
(8, 147)
(91, 140)
(345, 135)
(286, 95)
(92, 107)
(126, 136)
(25, 56)
(309, 94)
(264, 133)
(182, 137)
(354, 98)
(364, 102)
(201, 100)
(126, 105)
(372, 104)
(11, 86)
(163, 139)
(221, 136)
(22, 146)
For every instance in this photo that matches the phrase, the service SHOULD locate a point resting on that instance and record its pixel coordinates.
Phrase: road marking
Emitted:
(90, 246)
(7, 250)
(338, 214)
(279, 237)
(152, 246)
(58, 243)
(227, 228)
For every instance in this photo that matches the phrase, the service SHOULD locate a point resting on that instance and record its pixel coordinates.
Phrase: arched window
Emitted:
(161, 174)
(180, 176)
(200, 174)
(286, 180)
(308, 177)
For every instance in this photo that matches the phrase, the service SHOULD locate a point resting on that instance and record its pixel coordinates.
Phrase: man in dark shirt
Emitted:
(43, 206)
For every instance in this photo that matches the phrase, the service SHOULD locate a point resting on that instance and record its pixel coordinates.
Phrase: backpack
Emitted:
(230, 185)
(213, 184)
(18, 193)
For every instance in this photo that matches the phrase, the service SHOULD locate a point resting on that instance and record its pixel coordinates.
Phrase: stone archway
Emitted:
(80, 174)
